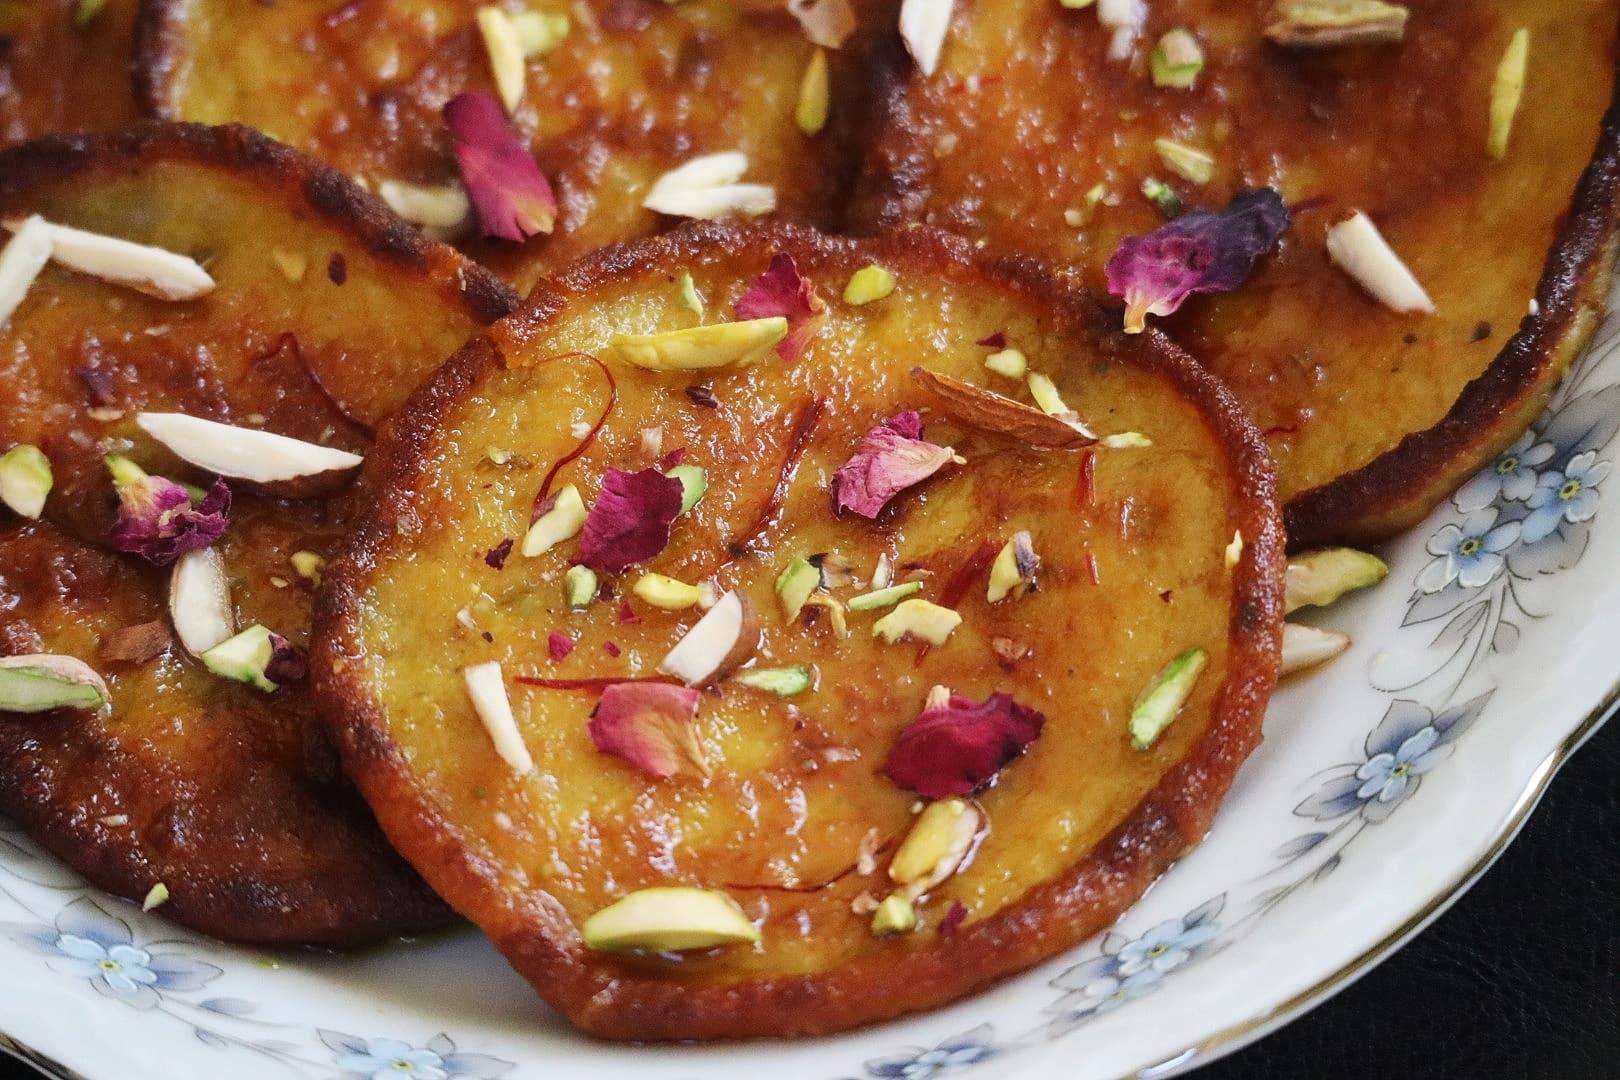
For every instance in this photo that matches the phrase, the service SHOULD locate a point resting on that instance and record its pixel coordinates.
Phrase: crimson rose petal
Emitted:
(781, 292)
(629, 522)
(651, 725)
(156, 518)
(959, 747)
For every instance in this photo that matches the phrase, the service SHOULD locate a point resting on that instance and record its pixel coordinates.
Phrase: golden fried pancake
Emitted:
(634, 89)
(1373, 416)
(229, 796)
(767, 801)
(59, 75)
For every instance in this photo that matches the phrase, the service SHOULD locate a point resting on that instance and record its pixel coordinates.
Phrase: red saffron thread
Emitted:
(590, 437)
(592, 685)
(289, 340)
(809, 416)
(1091, 568)
(1085, 484)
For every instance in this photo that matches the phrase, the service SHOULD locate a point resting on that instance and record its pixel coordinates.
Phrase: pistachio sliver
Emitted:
(1313, 24)
(1187, 162)
(869, 284)
(794, 586)
(1164, 698)
(894, 915)
(694, 482)
(782, 681)
(986, 410)
(885, 597)
(539, 32)
(580, 585)
(698, 348)
(669, 919)
(1013, 571)
(662, 591)
(25, 479)
(918, 619)
(1177, 60)
(814, 95)
(936, 845)
(1507, 89)
(1318, 578)
(39, 682)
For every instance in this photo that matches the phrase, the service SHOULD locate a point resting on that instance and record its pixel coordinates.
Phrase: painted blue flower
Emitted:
(1570, 495)
(1165, 947)
(393, 1059)
(1408, 742)
(952, 1055)
(1386, 776)
(88, 943)
(1469, 553)
(390, 1059)
(1512, 477)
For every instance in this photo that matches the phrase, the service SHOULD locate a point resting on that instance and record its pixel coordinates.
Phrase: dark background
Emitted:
(1520, 980)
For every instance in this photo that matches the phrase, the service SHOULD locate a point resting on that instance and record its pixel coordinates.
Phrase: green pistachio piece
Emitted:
(882, 598)
(1162, 196)
(580, 584)
(25, 479)
(668, 919)
(918, 619)
(1186, 162)
(1312, 24)
(869, 283)
(539, 32)
(36, 683)
(690, 299)
(895, 915)
(694, 482)
(1162, 701)
(243, 658)
(794, 586)
(1318, 578)
(85, 12)
(782, 681)
(1008, 362)
(700, 347)
(666, 592)
(1177, 60)
(814, 95)
(1047, 398)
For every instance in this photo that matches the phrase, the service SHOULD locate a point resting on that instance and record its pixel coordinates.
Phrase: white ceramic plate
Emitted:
(1387, 783)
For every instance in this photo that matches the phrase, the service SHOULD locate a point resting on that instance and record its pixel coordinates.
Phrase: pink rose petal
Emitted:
(559, 645)
(959, 747)
(653, 726)
(891, 458)
(287, 663)
(509, 193)
(630, 520)
(781, 292)
(157, 521)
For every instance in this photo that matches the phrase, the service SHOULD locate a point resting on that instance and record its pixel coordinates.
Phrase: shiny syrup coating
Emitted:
(1027, 114)
(636, 88)
(230, 797)
(796, 784)
(57, 77)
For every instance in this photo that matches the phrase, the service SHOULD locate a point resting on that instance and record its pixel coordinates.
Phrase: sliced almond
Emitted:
(260, 457)
(504, 47)
(25, 255)
(200, 600)
(1126, 19)
(145, 269)
(1307, 647)
(487, 688)
(827, 23)
(923, 25)
(986, 410)
(707, 187)
(1361, 251)
(445, 207)
(717, 643)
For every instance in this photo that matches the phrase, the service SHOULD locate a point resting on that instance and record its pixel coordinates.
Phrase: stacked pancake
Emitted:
(755, 630)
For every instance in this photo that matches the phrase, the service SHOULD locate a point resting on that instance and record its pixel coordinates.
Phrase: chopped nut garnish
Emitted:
(1162, 196)
(1307, 647)
(539, 32)
(1013, 572)
(669, 919)
(1009, 362)
(309, 566)
(814, 95)
(561, 521)
(1506, 91)
(444, 207)
(936, 845)
(665, 592)
(869, 284)
(885, 597)
(292, 264)
(1163, 699)
(1317, 24)
(923, 24)
(25, 480)
(156, 896)
(1318, 578)
(782, 681)
(894, 915)
(1361, 251)
(700, 347)
(1177, 60)
(919, 619)
(707, 187)
(23, 257)
(1192, 165)
(987, 410)
(487, 688)
(504, 48)
(40, 682)
(145, 269)
(690, 299)
(835, 612)
(1234, 550)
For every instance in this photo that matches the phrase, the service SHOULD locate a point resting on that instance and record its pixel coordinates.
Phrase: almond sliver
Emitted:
(25, 255)
(145, 269)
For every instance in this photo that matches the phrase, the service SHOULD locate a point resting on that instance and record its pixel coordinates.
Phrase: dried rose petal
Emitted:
(670, 460)
(891, 458)
(953, 918)
(630, 520)
(611, 648)
(1198, 252)
(702, 397)
(136, 644)
(559, 644)
(496, 556)
(997, 340)
(958, 747)
(156, 519)
(650, 725)
(510, 194)
(781, 292)
(627, 614)
(287, 663)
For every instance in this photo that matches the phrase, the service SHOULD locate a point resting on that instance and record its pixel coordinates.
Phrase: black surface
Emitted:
(1519, 981)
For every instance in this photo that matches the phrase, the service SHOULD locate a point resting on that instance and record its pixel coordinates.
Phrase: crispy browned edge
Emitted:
(239, 910)
(336, 199)
(152, 57)
(1398, 488)
(535, 933)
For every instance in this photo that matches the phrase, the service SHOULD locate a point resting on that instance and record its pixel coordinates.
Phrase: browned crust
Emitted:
(152, 58)
(1398, 488)
(613, 1001)
(242, 151)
